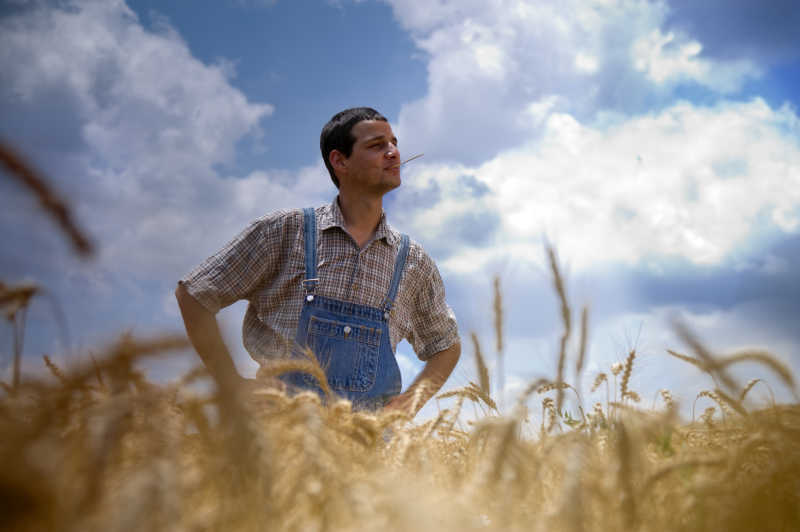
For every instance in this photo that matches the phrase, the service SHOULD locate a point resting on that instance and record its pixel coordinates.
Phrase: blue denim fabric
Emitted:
(351, 341)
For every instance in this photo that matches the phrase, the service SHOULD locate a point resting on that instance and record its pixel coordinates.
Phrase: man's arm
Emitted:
(432, 377)
(203, 331)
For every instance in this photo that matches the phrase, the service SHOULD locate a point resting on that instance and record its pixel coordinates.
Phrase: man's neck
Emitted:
(361, 215)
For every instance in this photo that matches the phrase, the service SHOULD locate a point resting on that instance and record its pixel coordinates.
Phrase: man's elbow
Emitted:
(185, 300)
(180, 293)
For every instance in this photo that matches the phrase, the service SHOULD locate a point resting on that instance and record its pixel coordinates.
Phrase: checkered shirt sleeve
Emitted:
(242, 266)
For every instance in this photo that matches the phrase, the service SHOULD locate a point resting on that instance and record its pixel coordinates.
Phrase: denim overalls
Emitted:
(351, 341)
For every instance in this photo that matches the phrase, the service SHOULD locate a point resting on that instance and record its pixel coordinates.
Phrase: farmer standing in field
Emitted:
(336, 279)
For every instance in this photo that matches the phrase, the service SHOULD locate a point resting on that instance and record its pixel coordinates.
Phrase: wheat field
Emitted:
(99, 447)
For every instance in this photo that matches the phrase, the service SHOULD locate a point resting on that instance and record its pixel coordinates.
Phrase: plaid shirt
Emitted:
(265, 265)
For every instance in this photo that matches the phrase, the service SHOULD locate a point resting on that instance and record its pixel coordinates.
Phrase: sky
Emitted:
(655, 145)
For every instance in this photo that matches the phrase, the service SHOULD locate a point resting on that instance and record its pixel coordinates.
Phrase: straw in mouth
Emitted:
(417, 156)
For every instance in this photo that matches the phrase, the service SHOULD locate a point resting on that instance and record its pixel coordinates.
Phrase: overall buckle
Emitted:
(309, 285)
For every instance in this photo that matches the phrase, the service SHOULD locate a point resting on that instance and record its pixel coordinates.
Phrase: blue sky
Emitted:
(659, 153)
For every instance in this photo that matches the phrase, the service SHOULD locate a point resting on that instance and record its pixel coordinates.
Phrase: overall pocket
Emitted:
(348, 352)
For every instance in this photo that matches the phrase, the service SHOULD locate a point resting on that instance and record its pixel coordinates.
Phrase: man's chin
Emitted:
(393, 184)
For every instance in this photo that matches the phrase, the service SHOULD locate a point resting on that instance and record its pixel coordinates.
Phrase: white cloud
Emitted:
(488, 61)
(668, 58)
(586, 63)
(546, 104)
(153, 121)
(633, 191)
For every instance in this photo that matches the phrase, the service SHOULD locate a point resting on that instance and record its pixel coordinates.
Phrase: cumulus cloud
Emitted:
(491, 62)
(670, 59)
(566, 113)
(687, 182)
(144, 124)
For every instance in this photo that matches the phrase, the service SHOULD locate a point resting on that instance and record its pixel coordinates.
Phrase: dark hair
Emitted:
(336, 133)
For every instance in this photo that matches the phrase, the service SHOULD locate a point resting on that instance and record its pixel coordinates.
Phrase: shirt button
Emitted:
(309, 298)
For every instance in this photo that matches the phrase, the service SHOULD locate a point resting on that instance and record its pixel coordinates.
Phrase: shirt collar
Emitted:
(332, 216)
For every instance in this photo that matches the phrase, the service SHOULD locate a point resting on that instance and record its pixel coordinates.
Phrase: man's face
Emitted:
(373, 163)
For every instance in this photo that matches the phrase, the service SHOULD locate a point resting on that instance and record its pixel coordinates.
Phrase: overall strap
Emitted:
(310, 239)
(398, 272)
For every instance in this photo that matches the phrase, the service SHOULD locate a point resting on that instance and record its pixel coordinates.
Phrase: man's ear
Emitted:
(338, 161)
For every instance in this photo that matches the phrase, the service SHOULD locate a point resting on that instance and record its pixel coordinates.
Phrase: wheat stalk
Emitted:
(483, 371)
(48, 199)
(626, 374)
(583, 341)
(558, 284)
(417, 156)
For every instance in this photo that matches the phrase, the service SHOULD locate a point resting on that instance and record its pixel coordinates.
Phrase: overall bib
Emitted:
(351, 341)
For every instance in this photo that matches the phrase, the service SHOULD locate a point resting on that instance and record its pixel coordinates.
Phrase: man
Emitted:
(336, 279)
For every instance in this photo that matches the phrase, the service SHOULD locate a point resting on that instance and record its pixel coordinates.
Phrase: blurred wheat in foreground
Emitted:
(100, 448)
